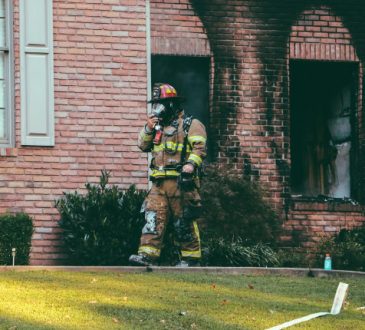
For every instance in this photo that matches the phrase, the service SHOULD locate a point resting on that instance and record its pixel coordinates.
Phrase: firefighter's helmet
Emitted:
(164, 92)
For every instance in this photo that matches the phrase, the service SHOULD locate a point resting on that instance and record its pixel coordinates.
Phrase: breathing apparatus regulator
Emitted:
(165, 106)
(158, 134)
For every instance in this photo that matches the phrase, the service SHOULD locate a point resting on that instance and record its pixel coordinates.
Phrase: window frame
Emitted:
(356, 109)
(8, 140)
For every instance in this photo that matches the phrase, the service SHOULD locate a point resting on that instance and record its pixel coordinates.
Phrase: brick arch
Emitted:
(319, 34)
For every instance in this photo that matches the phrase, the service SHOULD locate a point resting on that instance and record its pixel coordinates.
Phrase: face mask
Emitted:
(159, 110)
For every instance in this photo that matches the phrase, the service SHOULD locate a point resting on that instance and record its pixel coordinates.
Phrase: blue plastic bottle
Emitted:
(327, 262)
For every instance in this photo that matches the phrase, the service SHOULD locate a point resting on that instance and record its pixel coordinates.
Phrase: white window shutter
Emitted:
(36, 73)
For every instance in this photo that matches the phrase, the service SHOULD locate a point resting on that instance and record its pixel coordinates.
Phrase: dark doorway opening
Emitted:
(190, 76)
(323, 123)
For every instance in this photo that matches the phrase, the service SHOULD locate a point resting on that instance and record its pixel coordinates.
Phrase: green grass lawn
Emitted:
(76, 300)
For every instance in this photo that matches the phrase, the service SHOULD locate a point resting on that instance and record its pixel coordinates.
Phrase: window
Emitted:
(6, 111)
(323, 128)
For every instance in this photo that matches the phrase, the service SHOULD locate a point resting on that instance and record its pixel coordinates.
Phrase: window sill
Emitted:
(8, 152)
(325, 204)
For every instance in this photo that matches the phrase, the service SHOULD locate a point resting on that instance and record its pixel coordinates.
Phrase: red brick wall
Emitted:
(176, 29)
(252, 42)
(100, 94)
(312, 221)
(319, 34)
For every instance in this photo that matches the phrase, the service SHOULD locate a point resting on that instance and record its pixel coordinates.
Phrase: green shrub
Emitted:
(294, 257)
(102, 227)
(237, 226)
(15, 232)
(235, 252)
(347, 249)
(234, 207)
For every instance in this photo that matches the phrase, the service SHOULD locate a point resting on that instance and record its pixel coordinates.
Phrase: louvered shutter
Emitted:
(36, 77)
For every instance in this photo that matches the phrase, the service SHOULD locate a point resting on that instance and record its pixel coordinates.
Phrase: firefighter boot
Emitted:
(140, 260)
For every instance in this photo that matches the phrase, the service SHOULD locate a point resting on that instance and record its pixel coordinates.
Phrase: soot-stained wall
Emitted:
(252, 44)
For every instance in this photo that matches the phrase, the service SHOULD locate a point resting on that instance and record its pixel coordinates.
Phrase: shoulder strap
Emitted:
(187, 120)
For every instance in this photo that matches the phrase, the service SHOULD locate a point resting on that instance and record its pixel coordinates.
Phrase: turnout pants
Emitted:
(167, 202)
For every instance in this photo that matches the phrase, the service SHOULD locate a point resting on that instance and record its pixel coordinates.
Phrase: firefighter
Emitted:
(178, 146)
